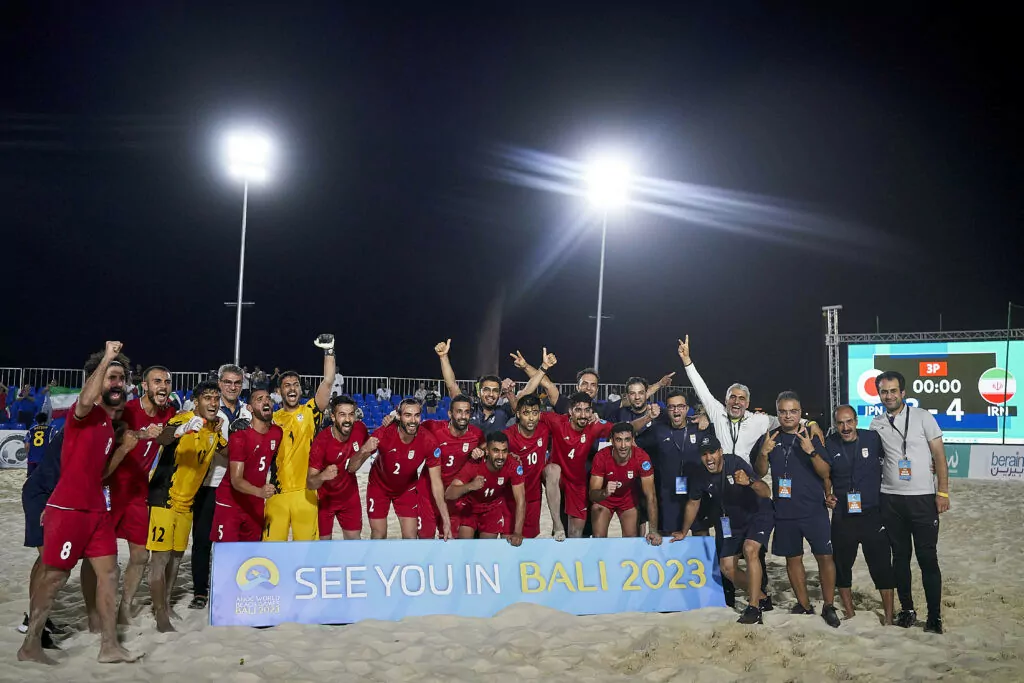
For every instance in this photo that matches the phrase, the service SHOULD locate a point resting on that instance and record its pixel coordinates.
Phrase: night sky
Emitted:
(389, 224)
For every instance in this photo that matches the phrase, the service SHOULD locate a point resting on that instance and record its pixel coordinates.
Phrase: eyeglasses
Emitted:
(678, 408)
(231, 382)
(795, 411)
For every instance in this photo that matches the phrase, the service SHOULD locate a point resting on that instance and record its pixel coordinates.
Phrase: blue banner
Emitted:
(341, 582)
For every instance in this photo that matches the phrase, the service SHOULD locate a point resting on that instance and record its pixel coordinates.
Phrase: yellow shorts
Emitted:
(295, 510)
(168, 530)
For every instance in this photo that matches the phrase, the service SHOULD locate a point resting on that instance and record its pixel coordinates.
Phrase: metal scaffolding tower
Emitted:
(831, 314)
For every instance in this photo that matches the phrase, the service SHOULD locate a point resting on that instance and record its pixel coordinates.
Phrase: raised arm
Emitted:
(540, 374)
(759, 453)
(368, 449)
(712, 406)
(442, 349)
(323, 392)
(816, 452)
(93, 388)
(457, 489)
(129, 441)
(663, 383)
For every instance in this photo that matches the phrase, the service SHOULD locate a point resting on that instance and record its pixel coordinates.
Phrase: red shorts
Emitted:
(531, 527)
(379, 501)
(494, 520)
(617, 505)
(575, 497)
(347, 511)
(70, 535)
(231, 525)
(131, 521)
(430, 517)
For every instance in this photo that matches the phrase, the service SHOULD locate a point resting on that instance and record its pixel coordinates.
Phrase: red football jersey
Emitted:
(530, 450)
(570, 448)
(628, 475)
(258, 452)
(455, 450)
(88, 444)
(327, 450)
(397, 462)
(496, 484)
(130, 481)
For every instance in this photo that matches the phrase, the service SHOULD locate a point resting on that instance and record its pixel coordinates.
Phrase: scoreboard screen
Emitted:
(963, 384)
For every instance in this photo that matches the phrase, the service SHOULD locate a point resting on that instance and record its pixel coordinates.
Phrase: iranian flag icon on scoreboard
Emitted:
(997, 385)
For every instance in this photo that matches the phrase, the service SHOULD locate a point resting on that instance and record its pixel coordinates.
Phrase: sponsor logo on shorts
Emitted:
(255, 572)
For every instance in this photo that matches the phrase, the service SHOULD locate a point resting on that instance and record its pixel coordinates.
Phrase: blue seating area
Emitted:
(374, 411)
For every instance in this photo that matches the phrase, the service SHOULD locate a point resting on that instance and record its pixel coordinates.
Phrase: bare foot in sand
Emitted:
(117, 654)
(35, 654)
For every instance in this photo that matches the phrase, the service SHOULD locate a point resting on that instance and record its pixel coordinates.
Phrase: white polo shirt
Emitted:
(914, 427)
(736, 436)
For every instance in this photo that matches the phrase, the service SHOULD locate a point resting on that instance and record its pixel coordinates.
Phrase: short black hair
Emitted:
(343, 400)
(496, 437)
(623, 428)
(93, 362)
(411, 401)
(259, 386)
(891, 375)
(677, 393)
(151, 368)
(587, 371)
(787, 396)
(462, 398)
(488, 378)
(42, 418)
(580, 397)
(528, 401)
(636, 380)
(205, 386)
(290, 373)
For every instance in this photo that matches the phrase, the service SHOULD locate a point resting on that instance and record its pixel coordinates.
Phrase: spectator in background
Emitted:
(246, 380)
(25, 408)
(37, 440)
(258, 376)
(421, 393)
(338, 387)
(383, 393)
(275, 381)
(3, 401)
(430, 401)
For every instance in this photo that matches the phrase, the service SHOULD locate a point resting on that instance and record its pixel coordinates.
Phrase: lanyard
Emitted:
(721, 499)
(906, 427)
(686, 435)
(735, 433)
(789, 451)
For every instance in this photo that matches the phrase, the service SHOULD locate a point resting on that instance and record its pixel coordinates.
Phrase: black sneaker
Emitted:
(765, 605)
(933, 625)
(828, 613)
(906, 618)
(800, 609)
(47, 642)
(50, 626)
(198, 602)
(751, 615)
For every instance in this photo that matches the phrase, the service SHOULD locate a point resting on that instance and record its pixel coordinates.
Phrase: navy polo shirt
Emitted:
(738, 503)
(498, 420)
(789, 460)
(856, 466)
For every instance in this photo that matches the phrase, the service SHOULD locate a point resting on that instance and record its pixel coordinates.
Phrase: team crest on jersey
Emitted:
(501, 480)
(209, 440)
(731, 480)
(629, 474)
(412, 454)
(583, 438)
(540, 442)
(465, 447)
(273, 444)
(355, 446)
(299, 417)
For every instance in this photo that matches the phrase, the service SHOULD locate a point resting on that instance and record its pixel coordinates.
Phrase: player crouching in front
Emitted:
(484, 484)
(172, 490)
(614, 478)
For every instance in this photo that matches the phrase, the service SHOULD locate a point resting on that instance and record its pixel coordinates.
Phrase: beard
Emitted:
(109, 399)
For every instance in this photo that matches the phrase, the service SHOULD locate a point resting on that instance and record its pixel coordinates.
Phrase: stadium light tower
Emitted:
(608, 183)
(248, 154)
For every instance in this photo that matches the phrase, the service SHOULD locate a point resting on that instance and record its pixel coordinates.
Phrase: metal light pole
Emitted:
(247, 154)
(600, 291)
(608, 187)
(241, 275)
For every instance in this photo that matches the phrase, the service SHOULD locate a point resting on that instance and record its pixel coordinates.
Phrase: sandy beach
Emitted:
(981, 550)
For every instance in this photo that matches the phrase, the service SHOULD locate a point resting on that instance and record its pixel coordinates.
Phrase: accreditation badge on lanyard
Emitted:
(724, 521)
(904, 462)
(853, 503)
(785, 482)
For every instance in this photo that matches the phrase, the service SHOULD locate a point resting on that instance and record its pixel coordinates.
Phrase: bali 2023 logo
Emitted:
(997, 385)
(254, 574)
